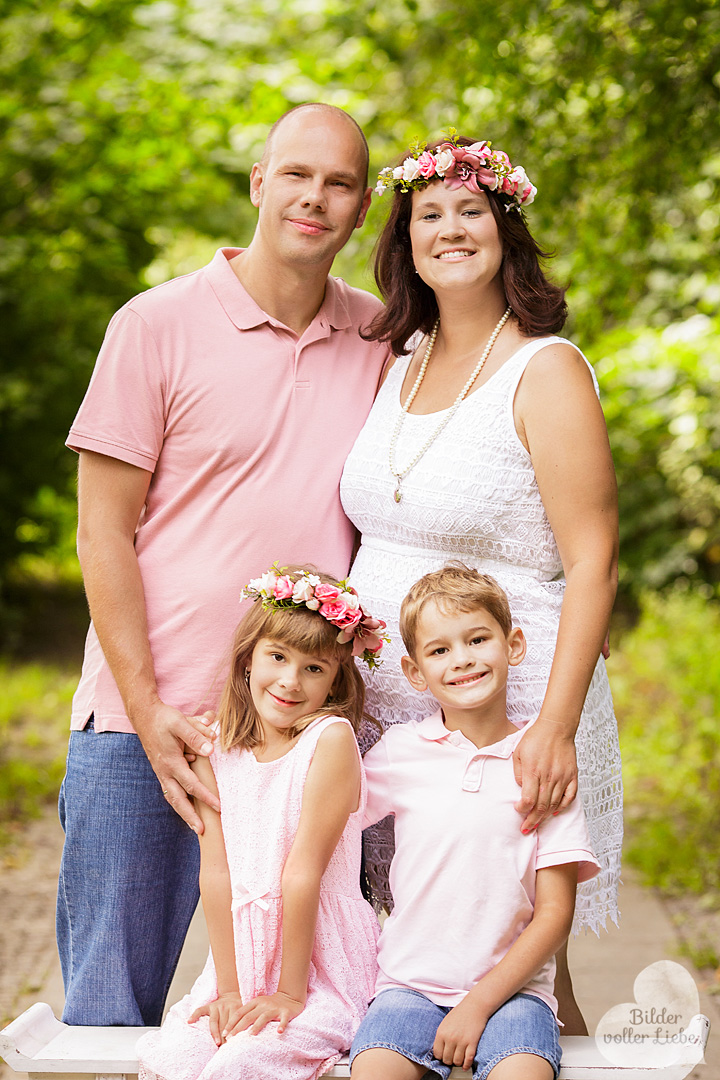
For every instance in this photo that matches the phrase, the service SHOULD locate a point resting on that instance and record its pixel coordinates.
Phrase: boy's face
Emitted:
(463, 657)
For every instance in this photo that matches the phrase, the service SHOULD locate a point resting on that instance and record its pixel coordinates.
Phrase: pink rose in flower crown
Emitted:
(501, 158)
(283, 588)
(339, 614)
(426, 164)
(326, 593)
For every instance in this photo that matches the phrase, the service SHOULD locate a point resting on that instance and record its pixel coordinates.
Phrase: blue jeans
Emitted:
(406, 1021)
(128, 883)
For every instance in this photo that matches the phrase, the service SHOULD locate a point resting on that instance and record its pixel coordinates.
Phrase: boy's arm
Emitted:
(216, 893)
(458, 1034)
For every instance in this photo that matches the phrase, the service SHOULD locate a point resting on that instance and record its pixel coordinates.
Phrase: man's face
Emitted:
(310, 190)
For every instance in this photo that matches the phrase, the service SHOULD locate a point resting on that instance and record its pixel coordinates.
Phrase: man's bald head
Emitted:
(330, 111)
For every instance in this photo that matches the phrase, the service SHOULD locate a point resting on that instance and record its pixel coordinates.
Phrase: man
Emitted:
(211, 442)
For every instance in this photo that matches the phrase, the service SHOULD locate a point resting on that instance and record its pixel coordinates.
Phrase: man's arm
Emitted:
(111, 495)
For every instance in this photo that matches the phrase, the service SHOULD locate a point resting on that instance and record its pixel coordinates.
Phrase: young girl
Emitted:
(292, 959)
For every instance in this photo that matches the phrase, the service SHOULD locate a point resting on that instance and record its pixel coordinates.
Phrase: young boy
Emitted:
(466, 958)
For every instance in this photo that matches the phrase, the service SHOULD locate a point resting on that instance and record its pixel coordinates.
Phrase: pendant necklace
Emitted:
(400, 474)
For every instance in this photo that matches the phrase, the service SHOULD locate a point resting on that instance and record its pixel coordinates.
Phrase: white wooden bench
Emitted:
(46, 1049)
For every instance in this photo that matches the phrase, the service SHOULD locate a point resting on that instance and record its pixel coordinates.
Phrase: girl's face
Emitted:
(287, 684)
(454, 237)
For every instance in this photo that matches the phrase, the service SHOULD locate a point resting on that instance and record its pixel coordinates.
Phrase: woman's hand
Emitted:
(545, 767)
(223, 1014)
(458, 1035)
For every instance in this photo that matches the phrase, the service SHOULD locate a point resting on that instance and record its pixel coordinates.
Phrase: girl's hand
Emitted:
(261, 1011)
(545, 767)
(458, 1036)
(223, 1014)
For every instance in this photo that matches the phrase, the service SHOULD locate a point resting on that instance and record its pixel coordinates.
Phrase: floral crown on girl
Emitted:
(470, 166)
(337, 603)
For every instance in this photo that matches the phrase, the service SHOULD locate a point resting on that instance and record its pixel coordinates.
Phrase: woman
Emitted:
(498, 457)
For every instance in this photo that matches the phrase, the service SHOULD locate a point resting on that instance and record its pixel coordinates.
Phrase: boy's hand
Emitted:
(264, 1010)
(223, 1014)
(459, 1034)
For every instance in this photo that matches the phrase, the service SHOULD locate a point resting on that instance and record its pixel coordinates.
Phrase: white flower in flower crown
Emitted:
(443, 161)
(411, 169)
(479, 148)
(312, 604)
(398, 172)
(266, 583)
(380, 188)
(528, 194)
(303, 591)
(350, 600)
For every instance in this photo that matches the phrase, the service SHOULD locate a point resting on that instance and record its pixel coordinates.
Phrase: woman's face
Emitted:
(454, 237)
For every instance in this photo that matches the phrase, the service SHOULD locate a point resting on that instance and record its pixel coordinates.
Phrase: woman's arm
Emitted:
(459, 1033)
(216, 893)
(559, 419)
(332, 791)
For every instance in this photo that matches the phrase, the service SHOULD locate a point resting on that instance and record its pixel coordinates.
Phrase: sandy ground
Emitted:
(604, 969)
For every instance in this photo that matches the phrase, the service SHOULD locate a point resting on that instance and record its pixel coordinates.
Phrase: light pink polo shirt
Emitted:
(245, 429)
(463, 875)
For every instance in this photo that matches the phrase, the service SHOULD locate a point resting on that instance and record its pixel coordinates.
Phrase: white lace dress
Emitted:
(473, 496)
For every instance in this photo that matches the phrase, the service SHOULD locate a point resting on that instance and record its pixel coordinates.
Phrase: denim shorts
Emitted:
(407, 1022)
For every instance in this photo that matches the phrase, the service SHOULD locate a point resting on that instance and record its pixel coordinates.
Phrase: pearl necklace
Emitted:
(400, 474)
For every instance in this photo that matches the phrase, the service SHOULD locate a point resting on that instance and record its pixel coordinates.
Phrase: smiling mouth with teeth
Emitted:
(475, 677)
(455, 254)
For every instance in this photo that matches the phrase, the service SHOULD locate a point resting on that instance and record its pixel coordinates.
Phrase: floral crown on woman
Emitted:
(470, 166)
(337, 603)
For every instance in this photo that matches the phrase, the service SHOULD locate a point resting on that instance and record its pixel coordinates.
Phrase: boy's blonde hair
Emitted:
(455, 587)
(301, 629)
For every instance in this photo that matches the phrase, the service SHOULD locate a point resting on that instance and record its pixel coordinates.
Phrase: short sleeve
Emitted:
(379, 787)
(122, 414)
(565, 839)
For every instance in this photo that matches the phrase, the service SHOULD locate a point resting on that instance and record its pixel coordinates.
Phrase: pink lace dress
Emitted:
(261, 804)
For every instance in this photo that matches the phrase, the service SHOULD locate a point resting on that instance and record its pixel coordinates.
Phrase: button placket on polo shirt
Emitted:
(474, 768)
(320, 332)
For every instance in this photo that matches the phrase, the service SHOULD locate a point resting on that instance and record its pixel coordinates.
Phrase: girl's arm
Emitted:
(332, 792)
(216, 893)
(459, 1033)
(560, 421)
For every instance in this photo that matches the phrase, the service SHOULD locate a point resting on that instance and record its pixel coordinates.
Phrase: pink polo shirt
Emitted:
(463, 875)
(245, 429)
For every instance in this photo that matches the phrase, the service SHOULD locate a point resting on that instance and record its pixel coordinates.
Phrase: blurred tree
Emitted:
(127, 128)
(659, 390)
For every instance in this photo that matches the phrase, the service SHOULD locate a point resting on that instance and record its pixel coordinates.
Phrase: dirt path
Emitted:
(604, 969)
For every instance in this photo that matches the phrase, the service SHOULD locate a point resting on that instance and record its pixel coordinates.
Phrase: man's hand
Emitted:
(545, 767)
(459, 1033)
(165, 733)
(223, 1014)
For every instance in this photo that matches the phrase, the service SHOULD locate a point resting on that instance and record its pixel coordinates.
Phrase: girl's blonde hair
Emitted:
(301, 629)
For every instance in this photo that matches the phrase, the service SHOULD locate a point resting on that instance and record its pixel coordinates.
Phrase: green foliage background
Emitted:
(128, 127)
